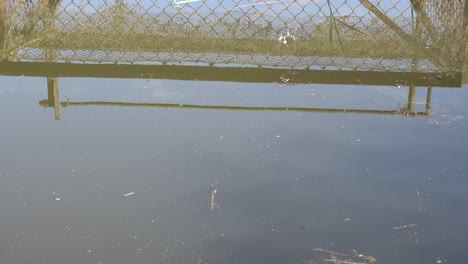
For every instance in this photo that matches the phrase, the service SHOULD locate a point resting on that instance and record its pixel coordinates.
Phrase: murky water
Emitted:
(112, 184)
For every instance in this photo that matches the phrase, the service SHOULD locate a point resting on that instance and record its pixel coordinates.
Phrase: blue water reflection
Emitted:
(286, 181)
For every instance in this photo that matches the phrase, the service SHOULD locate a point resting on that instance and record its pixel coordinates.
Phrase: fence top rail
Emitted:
(231, 74)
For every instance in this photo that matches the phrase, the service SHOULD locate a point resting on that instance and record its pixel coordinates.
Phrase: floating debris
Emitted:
(404, 226)
(128, 194)
(341, 258)
(442, 116)
(214, 205)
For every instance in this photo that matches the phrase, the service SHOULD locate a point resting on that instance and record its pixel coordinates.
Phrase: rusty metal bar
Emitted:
(44, 103)
(230, 74)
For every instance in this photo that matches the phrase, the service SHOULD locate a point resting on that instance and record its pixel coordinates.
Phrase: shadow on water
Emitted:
(238, 183)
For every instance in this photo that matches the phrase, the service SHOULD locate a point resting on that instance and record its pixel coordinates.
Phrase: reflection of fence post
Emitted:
(428, 99)
(53, 95)
(410, 108)
(411, 104)
(53, 85)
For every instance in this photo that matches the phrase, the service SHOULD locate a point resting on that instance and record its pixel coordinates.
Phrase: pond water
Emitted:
(112, 184)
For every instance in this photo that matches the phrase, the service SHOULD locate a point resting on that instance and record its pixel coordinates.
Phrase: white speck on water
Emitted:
(58, 199)
(358, 140)
(278, 136)
(128, 194)
(347, 219)
(221, 137)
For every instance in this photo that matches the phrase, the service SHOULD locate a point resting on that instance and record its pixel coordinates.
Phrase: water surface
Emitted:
(109, 184)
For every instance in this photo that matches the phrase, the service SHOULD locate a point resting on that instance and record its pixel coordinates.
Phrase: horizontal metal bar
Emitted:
(230, 74)
(45, 103)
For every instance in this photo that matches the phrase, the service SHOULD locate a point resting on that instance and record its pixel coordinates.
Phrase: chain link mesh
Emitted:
(285, 33)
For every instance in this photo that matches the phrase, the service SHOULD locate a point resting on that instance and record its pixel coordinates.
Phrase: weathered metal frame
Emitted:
(230, 74)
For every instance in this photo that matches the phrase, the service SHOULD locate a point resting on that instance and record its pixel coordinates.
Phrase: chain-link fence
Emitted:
(333, 34)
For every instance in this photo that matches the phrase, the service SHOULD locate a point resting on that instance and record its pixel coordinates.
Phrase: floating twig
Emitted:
(404, 226)
(128, 194)
(333, 254)
(214, 205)
(337, 261)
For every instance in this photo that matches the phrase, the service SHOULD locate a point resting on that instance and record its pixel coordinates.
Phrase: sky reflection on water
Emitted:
(286, 181)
